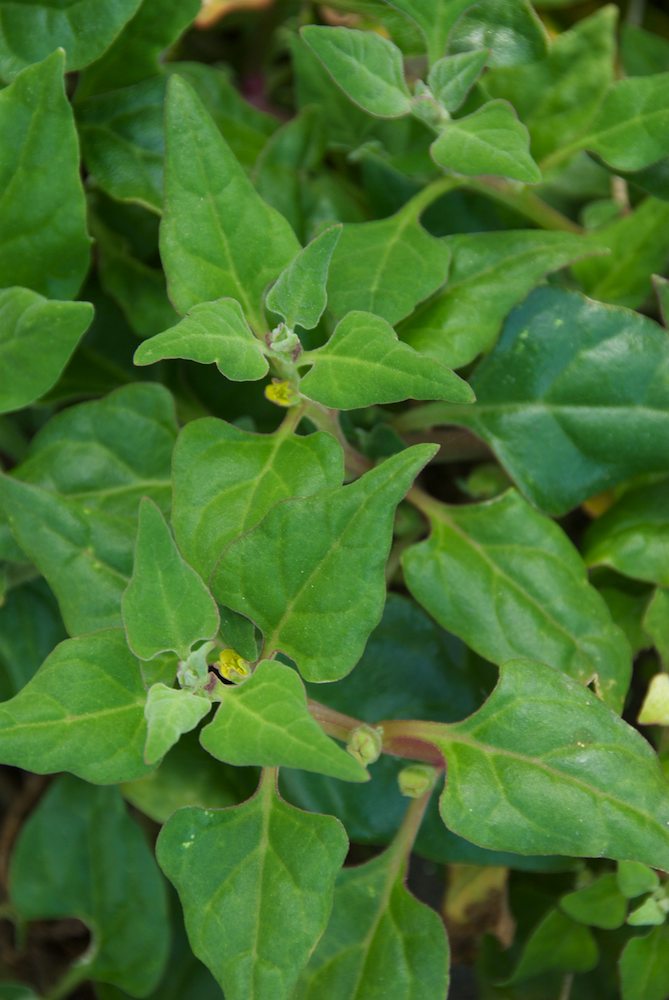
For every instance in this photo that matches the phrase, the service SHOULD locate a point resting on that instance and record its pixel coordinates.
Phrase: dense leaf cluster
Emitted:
(334, 502)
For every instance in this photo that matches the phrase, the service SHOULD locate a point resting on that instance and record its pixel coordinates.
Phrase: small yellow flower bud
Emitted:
(232, 666)
(282, 393)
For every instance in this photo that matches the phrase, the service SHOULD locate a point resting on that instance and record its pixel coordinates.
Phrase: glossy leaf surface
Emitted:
(633, 535)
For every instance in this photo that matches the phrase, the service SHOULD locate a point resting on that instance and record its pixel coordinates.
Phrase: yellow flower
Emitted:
(282, 393)
(232, 666)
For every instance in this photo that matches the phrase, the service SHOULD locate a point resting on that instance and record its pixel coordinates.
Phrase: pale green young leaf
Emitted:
(632, 536)
(508, 581)
(554, 771)
(380, 942)
(82, 712)
(490, 273)
(451, 78)
(79, 854)
(568, 376)
(556, 97)
(364, 363)
(489, 141)
(639, 244)
(367, 67)
(599, 904)
(43, 240)
(134, 54)
(311, 574)
(300, 295)
(226, 479)
(512, 32)
(386, 266)
(256, 883)
(37, 338)
(635, 879)
(644, 966)
(166, 606)
(170, 712)
(31, 31)
(210, 333)
(217, 238)
(265, 720)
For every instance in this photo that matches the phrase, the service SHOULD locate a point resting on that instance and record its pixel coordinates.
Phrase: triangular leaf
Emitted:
(210, 333)
(489, 141)
(452, 77)
(169, 713)
(256, 883)
(311, 574)
(364, 363)
(166, 606)
(265, 720)
(299, 294)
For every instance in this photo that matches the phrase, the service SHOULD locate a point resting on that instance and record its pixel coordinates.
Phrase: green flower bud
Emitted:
(365, 744)
(416, 779)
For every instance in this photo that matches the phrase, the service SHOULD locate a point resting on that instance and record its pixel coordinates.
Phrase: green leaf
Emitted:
(554, 771)
(635, 879)
(632, 536)
(380, 941)
(508, 581)
(631, 128)
(265, 720)
(643, 53)
(170, 712)
(37, 338)
(31, 31)
(600, 904)
(661, 287)
(215, 240)
(556, 97)
(644, 966)
(489, 141)
(557, 944)
(364, 363)
(83, 712)
(490, 273)
(656, 623)
(80, 855)
(299, 295)
(226, 479)
(386, 267)
(166, 606)
(568, 377)
(452, 77)
(368, 68)
(122, 142)
(511, 32)
(311, 574)
(43, 241)
(30, 627)
(638, 244)
(434, 20)
(256, 883)
(135, 53)
(210, 333)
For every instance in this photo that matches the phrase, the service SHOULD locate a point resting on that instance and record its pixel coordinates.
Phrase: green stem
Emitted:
(75, 975)
(328, 421)
(406, 835)
(429, 415)
(416, 205)
(400, 737)
(291, 420)
(527, 203)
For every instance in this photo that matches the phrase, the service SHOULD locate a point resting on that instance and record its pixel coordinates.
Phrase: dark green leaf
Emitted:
(656, 623)
(30, 626)
(367, 67)
(226, 479)
(216, 240)
(311, 574)
(632, 536)
(364, 363)
(256, 883)
(31, 31)
(600, 904)
(557, 944)
(43, 241)
(37, 338)
(80, 855)
(83, 712)
(265, 720)
(434, 20)
(489, 141)
(490, 273)
(644, 966)
(508, 28)
(508, 581)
